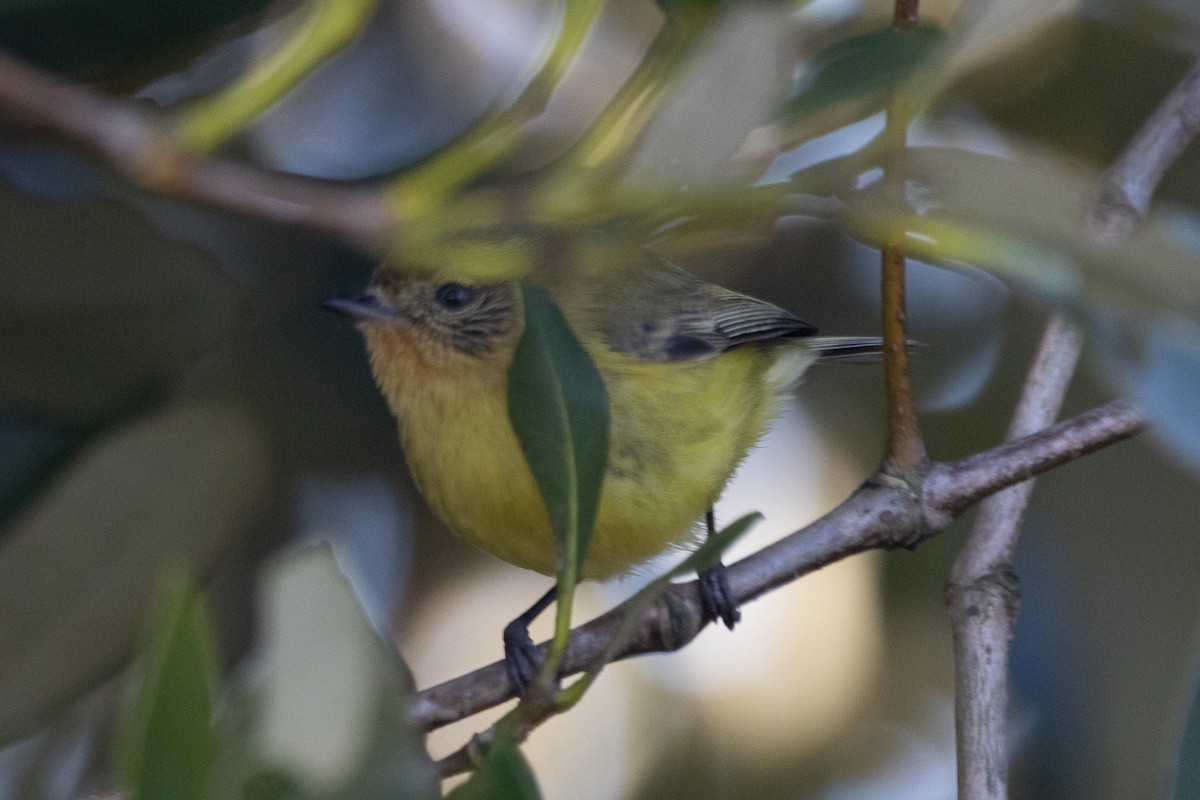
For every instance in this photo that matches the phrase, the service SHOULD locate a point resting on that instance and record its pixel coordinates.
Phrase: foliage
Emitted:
(148, 378)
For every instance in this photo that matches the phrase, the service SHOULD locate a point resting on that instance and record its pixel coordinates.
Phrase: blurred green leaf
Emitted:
(326, 713)
(1159, 366)
(559, 411)
(85, 330)
(78, 565)
(503, 775)
(1170, 386)
(861, 65)
(169, 742)
(1023, 218)
(676, 9)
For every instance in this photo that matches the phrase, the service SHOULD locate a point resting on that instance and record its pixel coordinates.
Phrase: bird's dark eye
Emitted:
(453, 296)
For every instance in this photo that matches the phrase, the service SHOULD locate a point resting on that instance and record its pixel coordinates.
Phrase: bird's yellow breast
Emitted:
(678, 430)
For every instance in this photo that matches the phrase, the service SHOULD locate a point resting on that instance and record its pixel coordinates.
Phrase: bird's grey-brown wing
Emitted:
(675, 316)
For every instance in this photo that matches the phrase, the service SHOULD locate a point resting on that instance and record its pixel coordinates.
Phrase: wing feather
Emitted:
(666, 314)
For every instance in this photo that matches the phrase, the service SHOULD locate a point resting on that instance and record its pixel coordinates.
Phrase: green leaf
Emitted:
(559, 410)
(78, 565)
(503, 775)
(861, 65)
(709, 553)
(87, 332)
(325, 715)
(699, 560)
(677, 8)
(1159, 365)
(169, 744)
(1023, 218)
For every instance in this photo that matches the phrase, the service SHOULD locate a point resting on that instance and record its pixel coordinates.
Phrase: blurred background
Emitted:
(171, 391)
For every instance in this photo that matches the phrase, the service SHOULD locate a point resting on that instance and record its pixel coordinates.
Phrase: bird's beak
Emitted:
(360, 308)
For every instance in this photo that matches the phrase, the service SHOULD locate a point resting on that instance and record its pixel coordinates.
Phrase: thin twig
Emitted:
(143, 150)
(1130, 182)
(905, 447)
(884, 513)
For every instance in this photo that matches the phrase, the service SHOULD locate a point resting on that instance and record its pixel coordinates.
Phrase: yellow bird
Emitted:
(694, 373)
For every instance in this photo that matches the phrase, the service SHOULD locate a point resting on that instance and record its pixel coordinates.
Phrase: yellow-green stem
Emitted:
(326, 27)
(428, 184)
(905, 447)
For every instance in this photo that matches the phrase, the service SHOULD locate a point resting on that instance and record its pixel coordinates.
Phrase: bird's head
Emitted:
(415, 323)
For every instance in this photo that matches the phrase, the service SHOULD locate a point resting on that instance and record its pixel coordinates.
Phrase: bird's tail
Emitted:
(853, 349)
(801, 353)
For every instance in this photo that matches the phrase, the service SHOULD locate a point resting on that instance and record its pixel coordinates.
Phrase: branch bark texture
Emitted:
(983, 593)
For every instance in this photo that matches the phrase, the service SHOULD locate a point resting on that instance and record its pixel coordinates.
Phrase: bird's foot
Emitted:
(716, 599)
(522, 659)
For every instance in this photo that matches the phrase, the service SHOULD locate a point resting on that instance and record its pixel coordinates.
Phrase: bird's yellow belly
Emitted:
(677, 433)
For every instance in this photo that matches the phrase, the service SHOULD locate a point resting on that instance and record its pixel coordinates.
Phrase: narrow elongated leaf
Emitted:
(169, 744)
(503, 775)
(559, 409)
(863, 65)
(703, 557)
(709, 553)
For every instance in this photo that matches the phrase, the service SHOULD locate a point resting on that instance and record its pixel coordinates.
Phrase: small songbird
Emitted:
(694, 373)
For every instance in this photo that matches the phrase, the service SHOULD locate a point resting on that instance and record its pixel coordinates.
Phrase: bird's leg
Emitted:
(716, 600)
(520, 653)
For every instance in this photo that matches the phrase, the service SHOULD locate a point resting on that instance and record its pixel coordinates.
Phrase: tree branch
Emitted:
(884, 513)
(983, 592)
(1130, 182)
(147, 154)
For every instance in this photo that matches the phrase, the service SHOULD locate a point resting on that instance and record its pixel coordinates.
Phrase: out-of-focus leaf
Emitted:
(323, 28)
(78, 565)
(739, 67)
(862, 65)
(559, 410)
(1170, 389)
(503, 775)
(675, 9)
(1162, 371)
(96, 308)
(1023, 219)
(327, 711)
(169, 742)
(989, 28)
